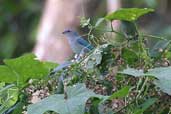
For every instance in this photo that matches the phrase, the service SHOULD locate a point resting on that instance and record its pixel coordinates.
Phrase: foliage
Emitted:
(16, 73)
(73, 101)
(162, 75)
(121, 93)
(128, 14)
(121, 75)
(22, 69)
(18, 22)
(9, 96)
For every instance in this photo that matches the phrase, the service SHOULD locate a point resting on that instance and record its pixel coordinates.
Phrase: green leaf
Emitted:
(99, 21)
(6, 75)
(133, 72)
(93, 59)
(128, 14)
(18, 107)
(164, 78)
(121, 93)
(94, 109)
(49, 65)
(141, 108)
(84, 22)
(2, 84)
(8, 97)
(162, 74)
(164, 85)
(23, 68)
(148, 103)
(74, 104)
(129, 56)
(168, 55)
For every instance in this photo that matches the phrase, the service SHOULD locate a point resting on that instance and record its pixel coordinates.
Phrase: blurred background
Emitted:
(18, 26)
(36, 25)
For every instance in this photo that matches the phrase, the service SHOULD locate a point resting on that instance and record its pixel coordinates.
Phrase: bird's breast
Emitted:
(76, 48)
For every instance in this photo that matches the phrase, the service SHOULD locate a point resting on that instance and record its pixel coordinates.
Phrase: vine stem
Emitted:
(139, 43)
(151, 36)
(89, 33)
(142, 88)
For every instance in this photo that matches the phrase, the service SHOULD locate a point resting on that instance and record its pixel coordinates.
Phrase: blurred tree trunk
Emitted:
(164, 10)
(59, 15)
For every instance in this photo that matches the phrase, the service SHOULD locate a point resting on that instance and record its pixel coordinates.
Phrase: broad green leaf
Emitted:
(6, 75)
(162, 74)
(121, 93)
(23, 68)
(164, 85)
(74, 104)
(128, 14)
(49, 65)
(133, 72)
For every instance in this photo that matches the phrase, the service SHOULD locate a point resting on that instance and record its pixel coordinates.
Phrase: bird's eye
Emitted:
(66, 31)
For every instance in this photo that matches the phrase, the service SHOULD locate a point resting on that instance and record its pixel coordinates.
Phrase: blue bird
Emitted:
(79, 46)
(77, 43)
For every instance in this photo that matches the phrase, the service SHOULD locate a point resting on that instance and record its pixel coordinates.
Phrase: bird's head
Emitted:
(69, 33)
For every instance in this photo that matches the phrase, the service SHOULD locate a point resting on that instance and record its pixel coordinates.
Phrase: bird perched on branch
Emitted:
(79, 46)
(77, 43)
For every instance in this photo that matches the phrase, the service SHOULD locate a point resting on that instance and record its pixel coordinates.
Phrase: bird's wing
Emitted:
(84, 43)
